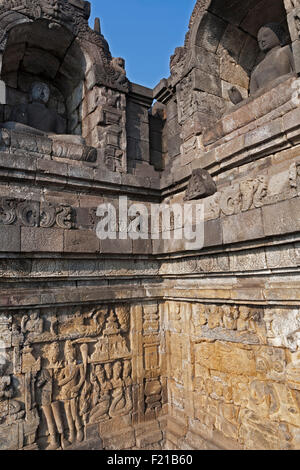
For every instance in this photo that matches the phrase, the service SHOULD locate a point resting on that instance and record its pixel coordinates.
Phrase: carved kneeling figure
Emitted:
(101, 395)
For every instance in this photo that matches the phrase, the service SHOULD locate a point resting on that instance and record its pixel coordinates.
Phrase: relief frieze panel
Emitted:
(35, 214)
(253, 193)
(270, 257)
(241, 374)
(277, 327)
(63, 371)
(69, 375)
(234, 381)
(73, 268)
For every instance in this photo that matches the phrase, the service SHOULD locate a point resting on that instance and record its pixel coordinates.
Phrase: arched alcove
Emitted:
(229, 30)
(221, 46)
(48, 52)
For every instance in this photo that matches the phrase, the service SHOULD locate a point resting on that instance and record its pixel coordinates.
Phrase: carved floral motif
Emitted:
(35, 214)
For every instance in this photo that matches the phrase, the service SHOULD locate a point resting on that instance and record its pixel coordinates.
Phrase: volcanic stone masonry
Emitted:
(141, 344)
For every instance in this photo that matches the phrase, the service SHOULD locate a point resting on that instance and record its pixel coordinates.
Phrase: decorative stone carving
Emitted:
(51, 407)
(200, 185)
(239, 197)
(187, 102)
(153, 398)
(121, 402)
(7, 211)
(151, 319)
(64, 387)
(106, 125)
(192, 350)
(229, 322)
(35, 214)
(177, 63)
(32, 326)
(10, 409)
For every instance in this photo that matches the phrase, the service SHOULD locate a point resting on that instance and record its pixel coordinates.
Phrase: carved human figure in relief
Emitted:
(32, 326)
(230, 317)
(277, 63)
(121, 396)
(49, 405)
(127, 370)
(10, 409)
(37, 119)
(101, 395)
(71, 380)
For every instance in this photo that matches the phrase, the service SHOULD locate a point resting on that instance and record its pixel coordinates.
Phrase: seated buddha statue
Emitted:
(277, 63)
(37, 119)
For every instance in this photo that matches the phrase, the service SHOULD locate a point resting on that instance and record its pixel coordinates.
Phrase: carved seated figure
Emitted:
(277, 64)
(10, 409)
(35, 118)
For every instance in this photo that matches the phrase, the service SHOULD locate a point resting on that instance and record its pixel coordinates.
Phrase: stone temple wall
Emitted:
(143, 344)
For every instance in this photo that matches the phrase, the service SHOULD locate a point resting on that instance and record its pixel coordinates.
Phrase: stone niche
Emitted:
(220, 52)
(38, 51)
(145, 343)
(53, 44)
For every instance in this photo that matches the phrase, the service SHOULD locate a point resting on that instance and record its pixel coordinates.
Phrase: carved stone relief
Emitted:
(240, 324)
(104, 125)
(251, 193)
(35, 214)
(241, 197)
(33, 145)
(200, 185)
(64, 371)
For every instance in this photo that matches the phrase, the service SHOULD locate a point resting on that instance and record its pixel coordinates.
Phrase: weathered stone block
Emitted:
(34, 239)
(281, 218)
(40, 62)
(124, 440)
(264, 133)
(116, 246)
(213, 235)
(10, 238)
(296, 50)
(232, 41)
(148, 439)
(232, 72)
(211, 32)
(243, 226)
(204, 81)
(81, 241)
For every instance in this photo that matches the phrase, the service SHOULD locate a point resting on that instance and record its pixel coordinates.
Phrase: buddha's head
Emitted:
(269, 36)
(40, 93)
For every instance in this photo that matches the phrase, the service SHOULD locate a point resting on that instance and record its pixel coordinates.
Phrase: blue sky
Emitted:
(144, 32)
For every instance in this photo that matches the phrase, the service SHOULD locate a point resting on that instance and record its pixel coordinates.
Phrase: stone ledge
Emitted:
(251, 111)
